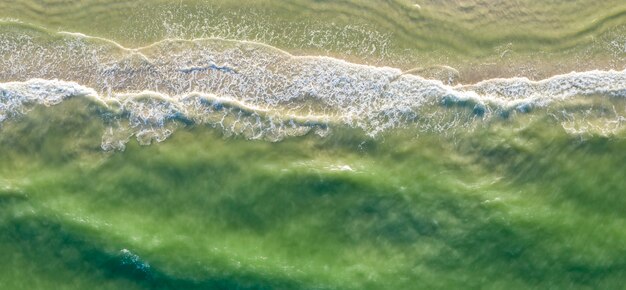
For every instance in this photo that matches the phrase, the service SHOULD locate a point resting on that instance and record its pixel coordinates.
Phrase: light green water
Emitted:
(480, 38)
(215, 145)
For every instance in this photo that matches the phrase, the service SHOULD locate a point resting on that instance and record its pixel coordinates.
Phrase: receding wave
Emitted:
(260, 92)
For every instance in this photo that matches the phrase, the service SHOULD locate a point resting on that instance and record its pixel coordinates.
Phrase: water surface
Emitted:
(312, 144)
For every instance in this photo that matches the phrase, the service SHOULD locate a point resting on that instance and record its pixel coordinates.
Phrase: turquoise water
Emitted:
(147, 158)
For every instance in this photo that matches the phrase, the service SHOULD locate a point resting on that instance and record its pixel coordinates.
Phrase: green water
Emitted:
(480, 38)
(205, 145)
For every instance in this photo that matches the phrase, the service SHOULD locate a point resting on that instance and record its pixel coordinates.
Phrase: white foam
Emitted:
(16, 96)
(259, 91)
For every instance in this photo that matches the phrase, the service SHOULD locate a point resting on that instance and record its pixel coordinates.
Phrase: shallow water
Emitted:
(258, 145)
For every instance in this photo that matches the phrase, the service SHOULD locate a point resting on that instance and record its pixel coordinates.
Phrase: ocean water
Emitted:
(303, 144)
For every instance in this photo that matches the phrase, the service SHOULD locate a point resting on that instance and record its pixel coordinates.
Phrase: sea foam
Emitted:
(254, 90)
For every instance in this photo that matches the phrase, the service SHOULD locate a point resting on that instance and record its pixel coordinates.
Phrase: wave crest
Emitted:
(260, 92)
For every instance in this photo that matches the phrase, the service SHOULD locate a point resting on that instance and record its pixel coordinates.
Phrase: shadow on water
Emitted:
(54, 243)
(406, 205)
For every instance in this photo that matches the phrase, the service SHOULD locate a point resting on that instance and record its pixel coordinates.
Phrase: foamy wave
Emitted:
(149, 115)
(15, 97)
(520, 93)
(260, 92)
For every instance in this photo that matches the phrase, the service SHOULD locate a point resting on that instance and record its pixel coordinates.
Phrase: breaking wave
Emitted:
(260, 92)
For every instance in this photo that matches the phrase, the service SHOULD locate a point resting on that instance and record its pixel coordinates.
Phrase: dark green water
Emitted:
(226, 164)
